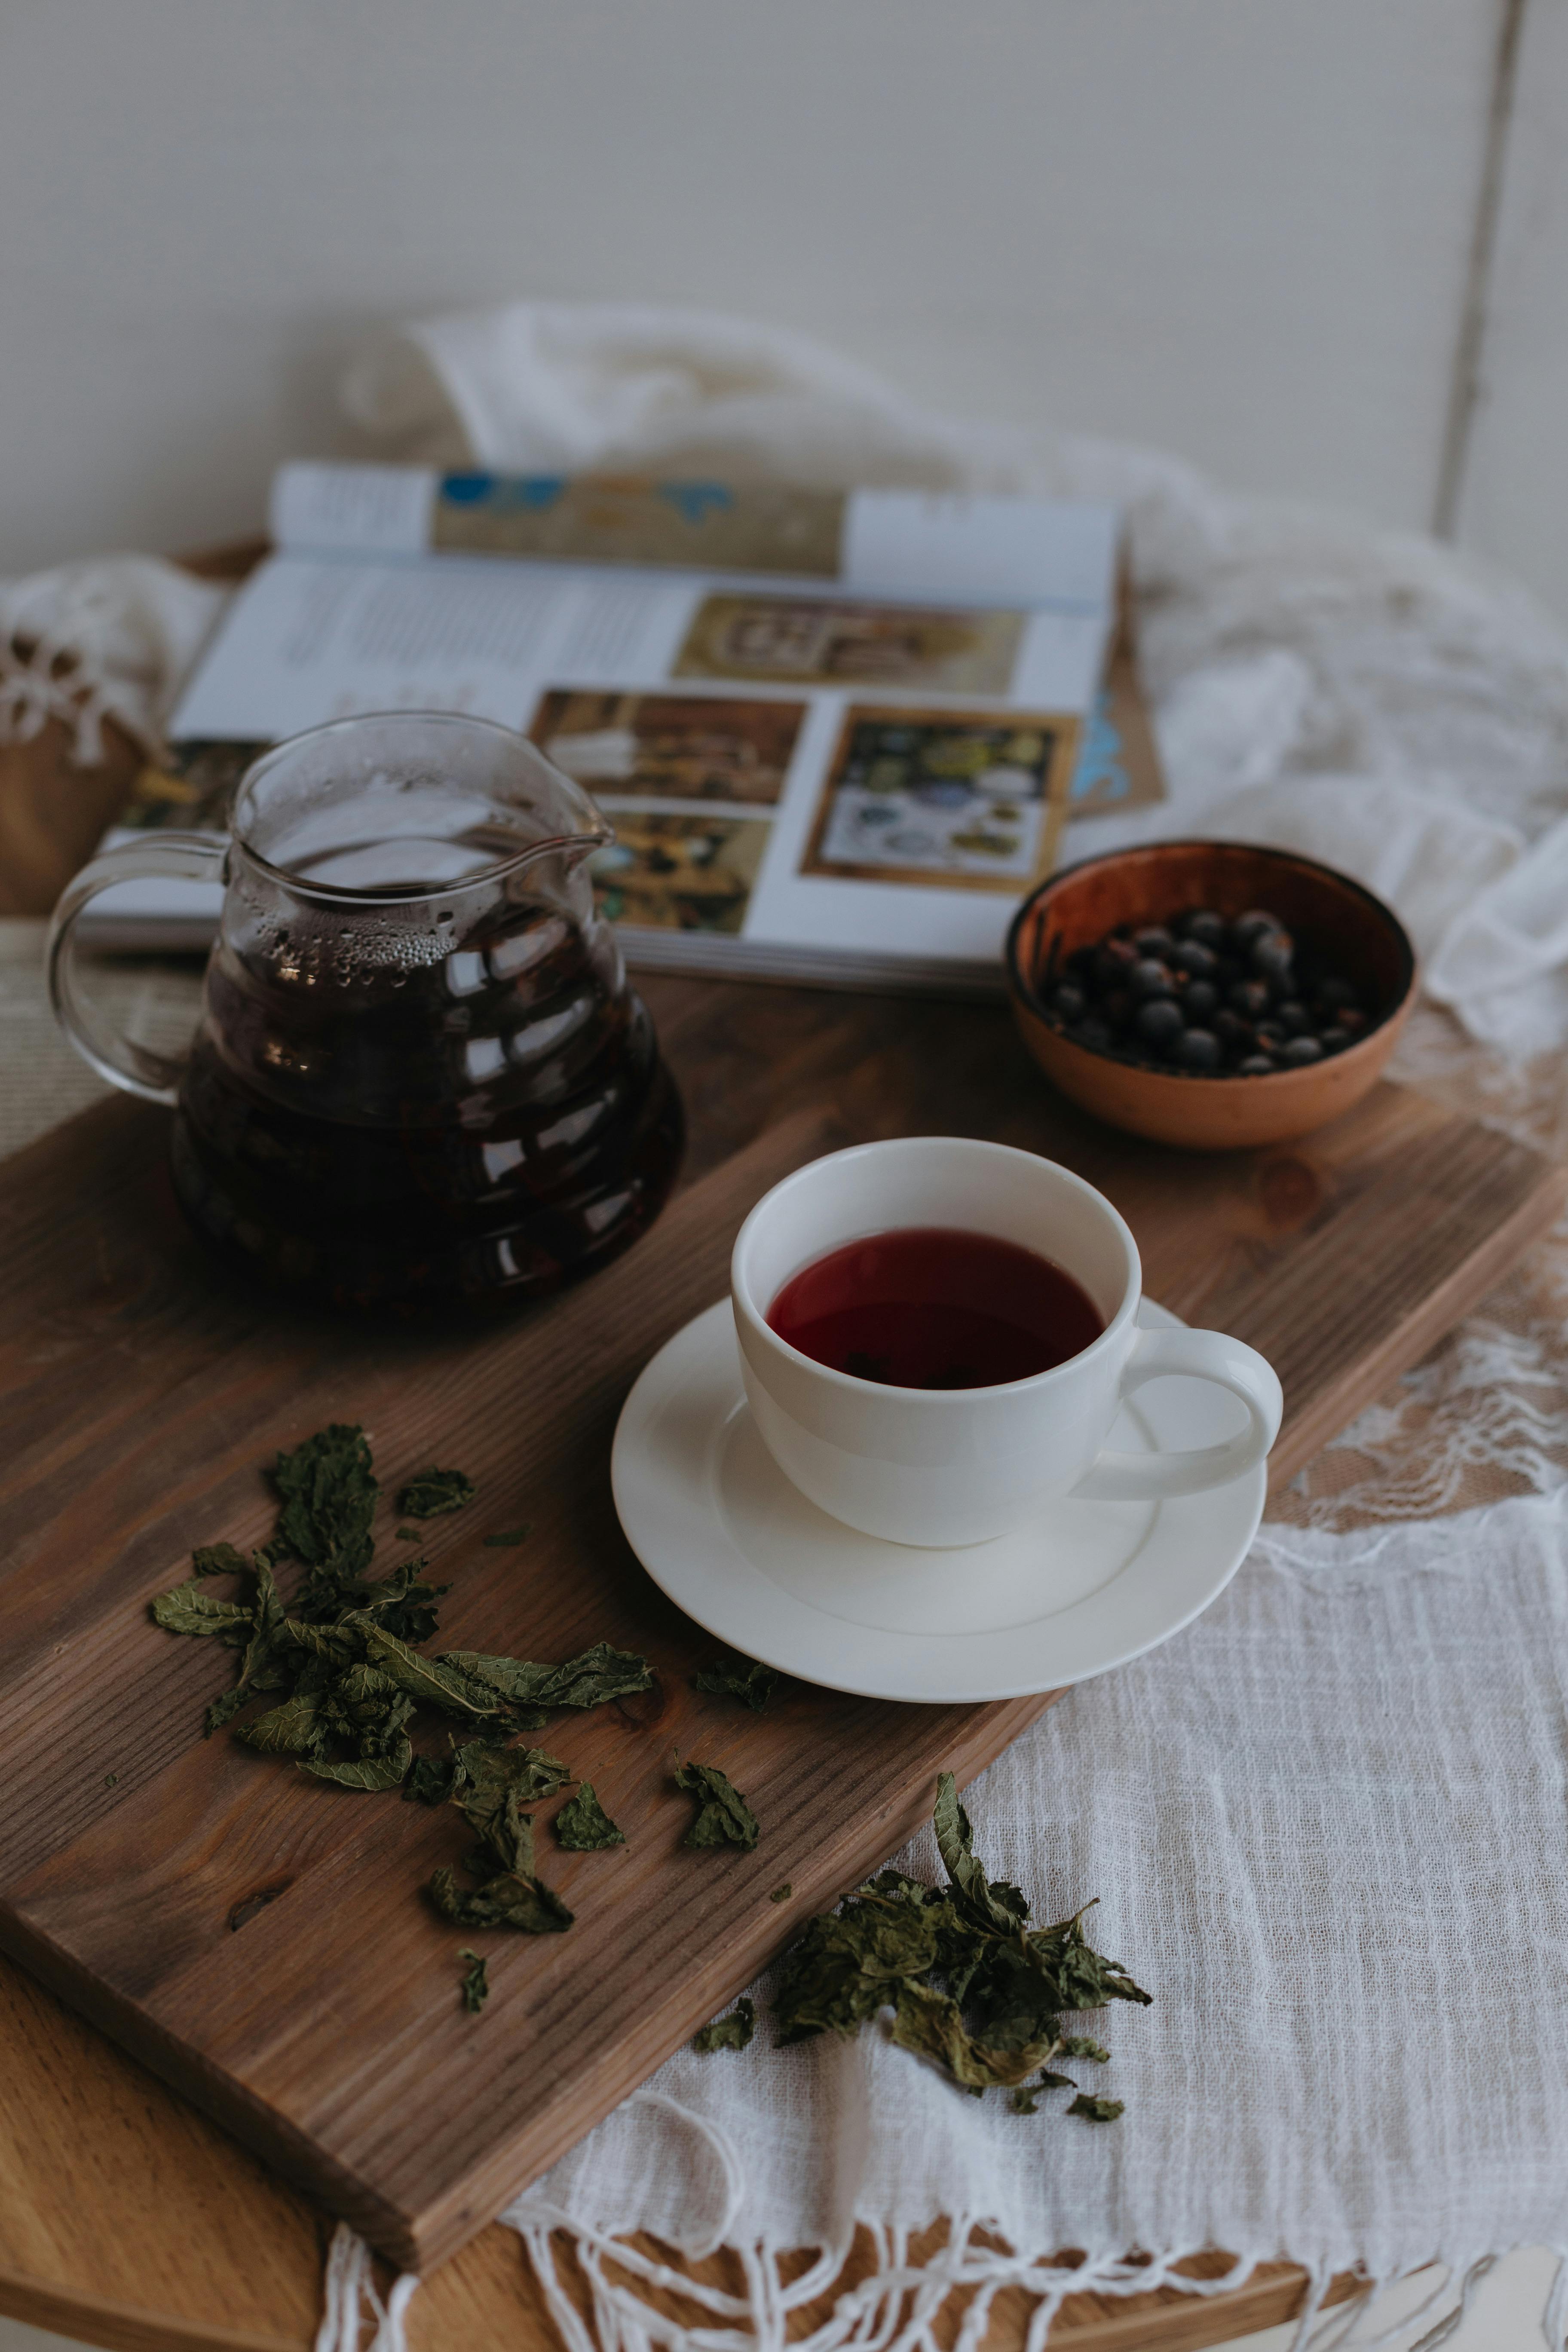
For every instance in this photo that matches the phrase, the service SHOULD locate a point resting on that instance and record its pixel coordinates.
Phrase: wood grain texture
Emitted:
(141, 1392)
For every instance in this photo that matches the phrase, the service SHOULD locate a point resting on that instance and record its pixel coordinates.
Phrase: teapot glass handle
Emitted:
(182, 857)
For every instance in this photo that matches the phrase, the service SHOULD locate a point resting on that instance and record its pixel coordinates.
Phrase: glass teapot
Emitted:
(420, 1077)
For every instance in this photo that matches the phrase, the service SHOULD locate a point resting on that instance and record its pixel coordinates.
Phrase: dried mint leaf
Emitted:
(369, 1773)
(295, 1729)
(1024, 2103)
(508, 1539)
(434, 1682)
(582, 1826)
(218, 1560)
(221, 1709)
(429, 1780)
(1078, 2046)
(724, 1816)
(592, 1679)
(328, 1491)
(504, 1901)
(972, 1987)
(1073, 1974)
(732, 2033)
(782, 1894)
(931, 2024)
(751, 1684)
(186, 1608)
(476, 1983)
(1002, 1908)
(1098, 2111)
(430, 1494)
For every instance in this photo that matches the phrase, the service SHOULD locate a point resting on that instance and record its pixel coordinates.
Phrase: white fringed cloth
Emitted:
(1328, 1823)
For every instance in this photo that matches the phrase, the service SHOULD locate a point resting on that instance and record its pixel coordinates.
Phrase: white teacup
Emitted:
(960, 1465)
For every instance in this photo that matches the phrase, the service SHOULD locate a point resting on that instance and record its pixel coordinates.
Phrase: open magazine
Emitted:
(838, 735)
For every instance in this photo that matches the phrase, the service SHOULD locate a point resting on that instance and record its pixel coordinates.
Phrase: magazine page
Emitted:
(805, 774)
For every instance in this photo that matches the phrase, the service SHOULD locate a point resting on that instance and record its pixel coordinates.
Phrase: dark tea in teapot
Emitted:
(420, 1077)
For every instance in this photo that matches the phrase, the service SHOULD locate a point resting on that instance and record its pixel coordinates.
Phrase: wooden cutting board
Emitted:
(259, 1938)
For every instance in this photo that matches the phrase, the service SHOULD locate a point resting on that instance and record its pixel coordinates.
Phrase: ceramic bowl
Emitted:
(1362, 938)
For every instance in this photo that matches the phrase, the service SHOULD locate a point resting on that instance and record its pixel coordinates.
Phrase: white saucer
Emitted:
(719, 1528)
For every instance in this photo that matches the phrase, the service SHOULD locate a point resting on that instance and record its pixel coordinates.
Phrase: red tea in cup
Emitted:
(932, 1307)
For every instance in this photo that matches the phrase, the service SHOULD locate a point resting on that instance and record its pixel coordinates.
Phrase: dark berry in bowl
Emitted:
(1306, 989)
(1198, 1049)
(1159, 1023)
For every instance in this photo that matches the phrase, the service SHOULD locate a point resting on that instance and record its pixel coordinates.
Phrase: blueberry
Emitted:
(1293, 1018)
(1231, 1029)
(1151, 978)
(1160, 1024)
(1113, 960)
(1070, 1004)
(1200, 1000)
(1252, 926)
(1197, 1049)
(1334, 1041)
(1153, 939)
(1092, 1035)
(1300, 1052)
(1256, 1065)
(1191, 956)
(1269, 1034)
(1272, 955)
(1250, 999)
(1204, 926)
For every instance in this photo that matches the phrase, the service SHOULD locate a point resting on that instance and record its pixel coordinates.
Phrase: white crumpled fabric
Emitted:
(109, 636)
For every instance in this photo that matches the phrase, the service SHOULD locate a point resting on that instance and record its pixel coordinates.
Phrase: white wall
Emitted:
(1237, 228)
(1515, 503)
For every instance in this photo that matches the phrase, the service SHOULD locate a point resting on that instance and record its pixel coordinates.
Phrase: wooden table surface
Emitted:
(128, 2219)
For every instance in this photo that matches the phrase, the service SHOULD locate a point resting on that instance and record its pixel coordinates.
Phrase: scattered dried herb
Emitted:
(328, 1491)
(751, 1684)
(476, 1983)
(373, 1773)
(971, 1985)
(782, 1894)
(1078, 2046)
(1098, 2111)
(342, 1662)
(111, 1779)
(732, 2033)
(509, 1539)
(429, 1780)
(433, 1493)
(410, 1535)
(582, 1826)
(724, 1816)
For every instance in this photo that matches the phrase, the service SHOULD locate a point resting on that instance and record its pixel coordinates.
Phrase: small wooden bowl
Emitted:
(1363, 939)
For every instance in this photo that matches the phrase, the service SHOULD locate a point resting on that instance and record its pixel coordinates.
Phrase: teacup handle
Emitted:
(1199, 1355)
(182, 856)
